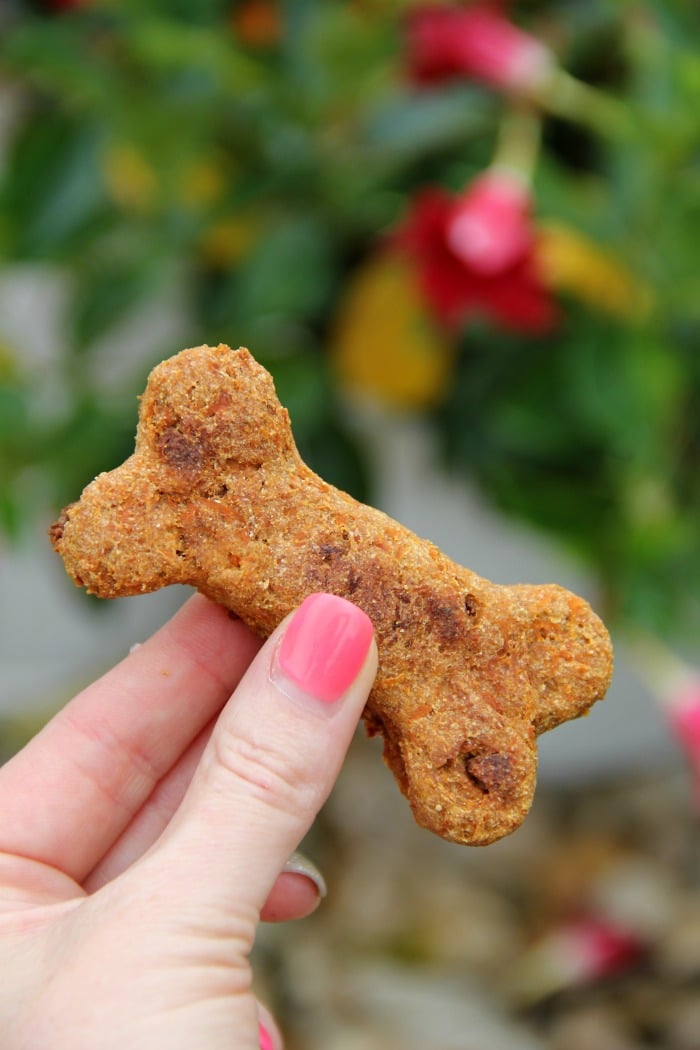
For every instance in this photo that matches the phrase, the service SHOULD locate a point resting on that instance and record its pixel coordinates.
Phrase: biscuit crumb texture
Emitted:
(470, 672)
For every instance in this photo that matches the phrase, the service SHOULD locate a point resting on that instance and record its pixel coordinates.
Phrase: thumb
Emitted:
(273, 757)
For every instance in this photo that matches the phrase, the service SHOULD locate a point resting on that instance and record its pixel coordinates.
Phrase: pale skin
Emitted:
(142, 838)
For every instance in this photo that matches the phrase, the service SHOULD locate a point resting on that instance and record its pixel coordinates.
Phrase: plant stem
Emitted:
(519, 142)
(563, 95)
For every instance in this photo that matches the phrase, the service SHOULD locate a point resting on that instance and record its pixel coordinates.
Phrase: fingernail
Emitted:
(299, 864)
(265, 1039)
(325, 646)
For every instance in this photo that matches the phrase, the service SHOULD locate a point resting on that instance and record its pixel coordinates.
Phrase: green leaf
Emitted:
(51, 198)
(290, 272)
(96, 436)
(405, 126)
(165, 46)
(333, 452)
(12, 516)
(302, 386)
(13, 412)
(63, 58)
(105, 295)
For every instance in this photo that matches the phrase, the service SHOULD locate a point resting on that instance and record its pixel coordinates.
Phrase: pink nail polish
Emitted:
(325, 645)
(265, 1039)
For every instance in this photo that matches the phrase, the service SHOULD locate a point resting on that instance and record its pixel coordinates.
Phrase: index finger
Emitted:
(69, 794)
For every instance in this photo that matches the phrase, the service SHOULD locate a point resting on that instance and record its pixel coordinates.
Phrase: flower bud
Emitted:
(490, 228)
(444, 42)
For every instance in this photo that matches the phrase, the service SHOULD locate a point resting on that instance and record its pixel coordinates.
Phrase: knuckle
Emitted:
(267, 772)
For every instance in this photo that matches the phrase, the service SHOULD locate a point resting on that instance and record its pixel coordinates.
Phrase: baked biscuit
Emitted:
(216, 495)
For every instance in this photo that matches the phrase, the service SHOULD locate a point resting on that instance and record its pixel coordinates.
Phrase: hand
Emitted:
(145, 830)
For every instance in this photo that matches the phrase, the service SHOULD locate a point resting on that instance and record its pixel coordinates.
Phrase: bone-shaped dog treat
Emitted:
(216, 495)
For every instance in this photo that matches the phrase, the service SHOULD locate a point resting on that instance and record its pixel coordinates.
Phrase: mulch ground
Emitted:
(581, 931)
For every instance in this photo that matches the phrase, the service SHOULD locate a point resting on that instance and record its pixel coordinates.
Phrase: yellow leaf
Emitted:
(130, 179)
(202, 184)
(229, 239)
(384, 344)
(570, 262)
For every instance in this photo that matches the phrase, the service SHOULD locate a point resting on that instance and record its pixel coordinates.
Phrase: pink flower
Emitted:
(479, 42)
(581, 950)
(683, 708)
(675, 684)
(595, 948)
(490, 227)
(474, 254)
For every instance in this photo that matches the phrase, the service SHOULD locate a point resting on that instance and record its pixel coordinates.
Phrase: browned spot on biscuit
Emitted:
(184, 451)
(444, 618)
(56, 530)
(492, 774)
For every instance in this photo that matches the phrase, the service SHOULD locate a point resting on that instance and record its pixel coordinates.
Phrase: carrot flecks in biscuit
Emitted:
(215, 495)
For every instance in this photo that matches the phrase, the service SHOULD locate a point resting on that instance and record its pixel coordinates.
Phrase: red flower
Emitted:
(477, 42)
(473, 254)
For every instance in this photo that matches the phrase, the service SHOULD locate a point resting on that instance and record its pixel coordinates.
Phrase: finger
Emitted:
(271, 761)
(71, 792)
(291, 897)
(296, 892)
(152, 818)
(268, 1032)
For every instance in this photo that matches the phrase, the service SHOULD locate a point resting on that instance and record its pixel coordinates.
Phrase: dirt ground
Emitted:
(579, 932)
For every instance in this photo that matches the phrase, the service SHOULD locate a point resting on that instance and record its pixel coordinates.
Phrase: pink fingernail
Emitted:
(265, 1039)
(325, 646)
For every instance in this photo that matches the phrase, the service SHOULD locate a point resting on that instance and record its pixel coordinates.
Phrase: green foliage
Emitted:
(587, 435)
(162, 149)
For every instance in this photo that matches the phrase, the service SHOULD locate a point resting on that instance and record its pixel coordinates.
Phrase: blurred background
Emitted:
(463, 239)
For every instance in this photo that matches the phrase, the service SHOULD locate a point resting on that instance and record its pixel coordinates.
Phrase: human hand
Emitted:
(146, 828)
